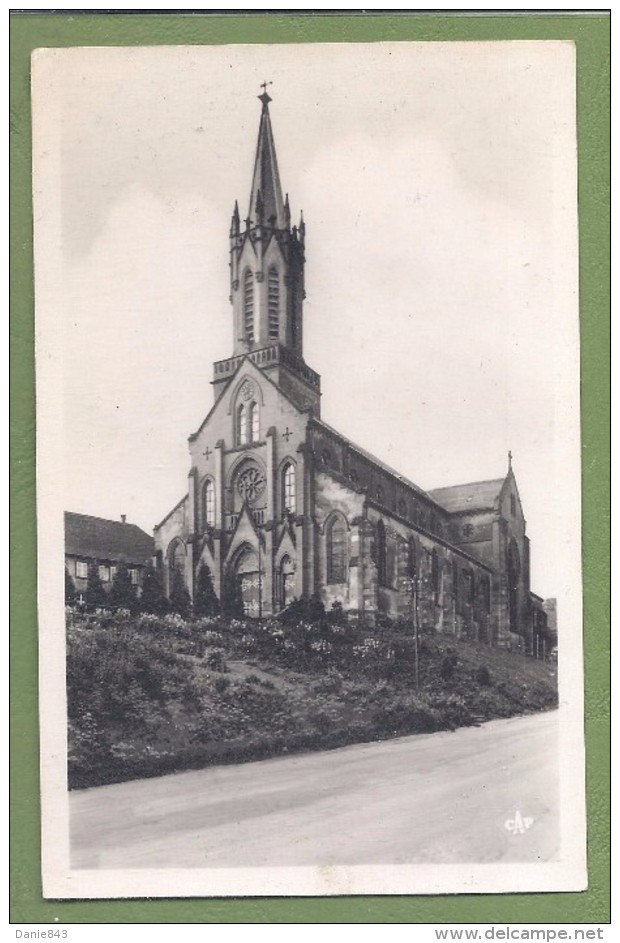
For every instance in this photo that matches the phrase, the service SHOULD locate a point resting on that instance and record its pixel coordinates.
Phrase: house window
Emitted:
(273, 302)
(254, 422)
(513, 505)
(209, 505)
(248, 305)
(81, 570)
(336, 550)
(104, 574)
(381, 554)
(242, 425)
(288, 482)
(133, 576)
(113, 570)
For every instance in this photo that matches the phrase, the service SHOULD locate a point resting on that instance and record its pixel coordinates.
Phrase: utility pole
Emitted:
(411, 584)
(260, 577)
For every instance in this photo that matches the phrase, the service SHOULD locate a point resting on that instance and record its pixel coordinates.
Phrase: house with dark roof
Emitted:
(106, 543)
(280, 505)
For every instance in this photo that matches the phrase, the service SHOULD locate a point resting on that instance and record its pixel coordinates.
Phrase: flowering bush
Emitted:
(154, 693)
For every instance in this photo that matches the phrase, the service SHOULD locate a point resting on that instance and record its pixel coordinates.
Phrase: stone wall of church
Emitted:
(393, 574)
(452, 591)
(335, 499)
(174, 527)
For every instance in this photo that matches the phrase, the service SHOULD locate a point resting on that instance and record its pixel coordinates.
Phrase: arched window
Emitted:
(273, 301)
(176, 565)
(412, 559)
(436, 575)
(289, 497)
(177, 557)
(242, 425)
(485, 593)
(381, 554)
(336, 550)
(468, 586)
(254, 422)
(209, 503)
(248, 305)
(514, 576)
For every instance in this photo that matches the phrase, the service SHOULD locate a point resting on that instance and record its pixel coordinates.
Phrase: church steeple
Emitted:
(267, 277)
(266, 192)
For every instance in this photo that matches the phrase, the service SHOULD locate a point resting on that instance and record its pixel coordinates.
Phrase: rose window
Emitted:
(251, 484)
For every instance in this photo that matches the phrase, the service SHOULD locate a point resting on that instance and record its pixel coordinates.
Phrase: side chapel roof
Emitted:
(475, 496)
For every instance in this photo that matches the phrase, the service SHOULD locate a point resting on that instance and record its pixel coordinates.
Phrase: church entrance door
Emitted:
(287, 582)
(250, 585)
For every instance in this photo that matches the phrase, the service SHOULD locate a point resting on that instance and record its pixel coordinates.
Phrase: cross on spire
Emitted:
(265, 98)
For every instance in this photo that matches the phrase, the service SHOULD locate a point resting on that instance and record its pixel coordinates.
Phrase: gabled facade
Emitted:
(281, 506)
(106, 544)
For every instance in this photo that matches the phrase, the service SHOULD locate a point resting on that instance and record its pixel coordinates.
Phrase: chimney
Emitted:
(124, 518)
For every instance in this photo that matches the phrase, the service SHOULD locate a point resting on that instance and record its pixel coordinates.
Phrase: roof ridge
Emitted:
(373, 458)
(468, 484)
(107, 520)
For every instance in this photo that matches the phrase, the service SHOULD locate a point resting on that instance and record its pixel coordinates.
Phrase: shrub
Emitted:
(483, 676)
(216, 660)
(153, 599)
(448, 666)
(123, 593)
(70, 593)
(337, 615)
(206, 602)
(304, 610)
(96, 595)
(180, 600)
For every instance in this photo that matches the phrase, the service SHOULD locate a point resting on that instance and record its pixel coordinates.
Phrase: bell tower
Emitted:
(267, 260)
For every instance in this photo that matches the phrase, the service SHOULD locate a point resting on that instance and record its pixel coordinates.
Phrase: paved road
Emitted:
(436, 798)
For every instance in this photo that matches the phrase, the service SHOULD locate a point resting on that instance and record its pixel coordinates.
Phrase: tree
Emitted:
(180, 599)
(153, 599)
(70, 592)
(123, 593)
(232, 598)
(206, 602)
(95, 593)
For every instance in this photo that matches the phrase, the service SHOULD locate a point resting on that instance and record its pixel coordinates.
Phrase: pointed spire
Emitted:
(287, 212)
(266, 178)
(509, 460)
(234, 226)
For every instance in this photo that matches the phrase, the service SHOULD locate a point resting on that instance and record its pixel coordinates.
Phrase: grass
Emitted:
(149, 695)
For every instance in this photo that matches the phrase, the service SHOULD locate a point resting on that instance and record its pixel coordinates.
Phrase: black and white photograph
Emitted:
(308, 469)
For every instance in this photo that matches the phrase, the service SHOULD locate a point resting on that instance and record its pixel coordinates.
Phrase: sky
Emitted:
(438, 187)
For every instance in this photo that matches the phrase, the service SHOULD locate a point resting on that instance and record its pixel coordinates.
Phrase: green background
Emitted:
(591, 33)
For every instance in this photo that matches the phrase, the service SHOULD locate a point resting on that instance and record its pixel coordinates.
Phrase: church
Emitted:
(280, 506)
